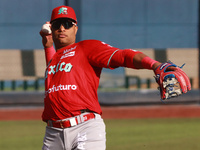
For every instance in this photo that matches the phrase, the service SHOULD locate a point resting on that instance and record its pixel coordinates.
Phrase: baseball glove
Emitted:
(172, 82)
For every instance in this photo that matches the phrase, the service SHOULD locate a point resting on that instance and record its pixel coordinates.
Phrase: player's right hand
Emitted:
(47, 40)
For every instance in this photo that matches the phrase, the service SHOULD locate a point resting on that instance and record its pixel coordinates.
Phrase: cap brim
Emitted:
(64, 18)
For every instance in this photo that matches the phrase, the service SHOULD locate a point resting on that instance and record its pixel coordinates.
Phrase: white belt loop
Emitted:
(73, 122)
(97, 116)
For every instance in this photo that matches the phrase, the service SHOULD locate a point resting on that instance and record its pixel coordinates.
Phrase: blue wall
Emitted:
(21, 21)
(121, 23)
(141, 23)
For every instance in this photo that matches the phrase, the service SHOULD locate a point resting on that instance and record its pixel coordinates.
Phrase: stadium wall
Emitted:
(123, 24)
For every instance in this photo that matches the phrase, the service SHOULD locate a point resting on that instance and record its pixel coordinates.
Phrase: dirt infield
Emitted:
(161, 111)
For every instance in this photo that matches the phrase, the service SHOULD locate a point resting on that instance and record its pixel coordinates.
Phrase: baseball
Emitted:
(46, 29)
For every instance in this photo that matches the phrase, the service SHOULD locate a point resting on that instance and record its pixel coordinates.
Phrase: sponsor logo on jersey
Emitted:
(68, 50)
(60, 88)
(61, 66)
(68, 54)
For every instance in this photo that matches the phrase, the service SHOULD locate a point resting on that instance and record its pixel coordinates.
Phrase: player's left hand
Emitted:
(172, 80)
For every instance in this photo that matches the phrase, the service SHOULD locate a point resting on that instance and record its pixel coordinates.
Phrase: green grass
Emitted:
(127, 134)
(153, 134)
(21, 135)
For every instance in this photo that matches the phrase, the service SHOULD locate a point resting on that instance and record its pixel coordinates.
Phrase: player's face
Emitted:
(63, 32)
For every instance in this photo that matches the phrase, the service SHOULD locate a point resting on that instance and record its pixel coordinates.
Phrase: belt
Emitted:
(70, 122)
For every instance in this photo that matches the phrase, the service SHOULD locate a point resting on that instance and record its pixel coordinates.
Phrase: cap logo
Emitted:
(63, 11)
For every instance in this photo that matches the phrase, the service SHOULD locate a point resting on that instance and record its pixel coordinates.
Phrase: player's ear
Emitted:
(76, 29)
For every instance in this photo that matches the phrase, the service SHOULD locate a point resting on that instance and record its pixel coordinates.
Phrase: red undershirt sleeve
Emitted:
(49, 52)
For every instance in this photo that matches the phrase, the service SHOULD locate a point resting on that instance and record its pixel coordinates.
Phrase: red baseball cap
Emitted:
(63, 12)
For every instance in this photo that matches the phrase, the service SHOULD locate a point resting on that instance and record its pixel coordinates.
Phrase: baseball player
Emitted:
(71, 108)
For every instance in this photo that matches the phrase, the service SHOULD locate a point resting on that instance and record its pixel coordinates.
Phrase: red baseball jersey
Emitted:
(72, 77)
